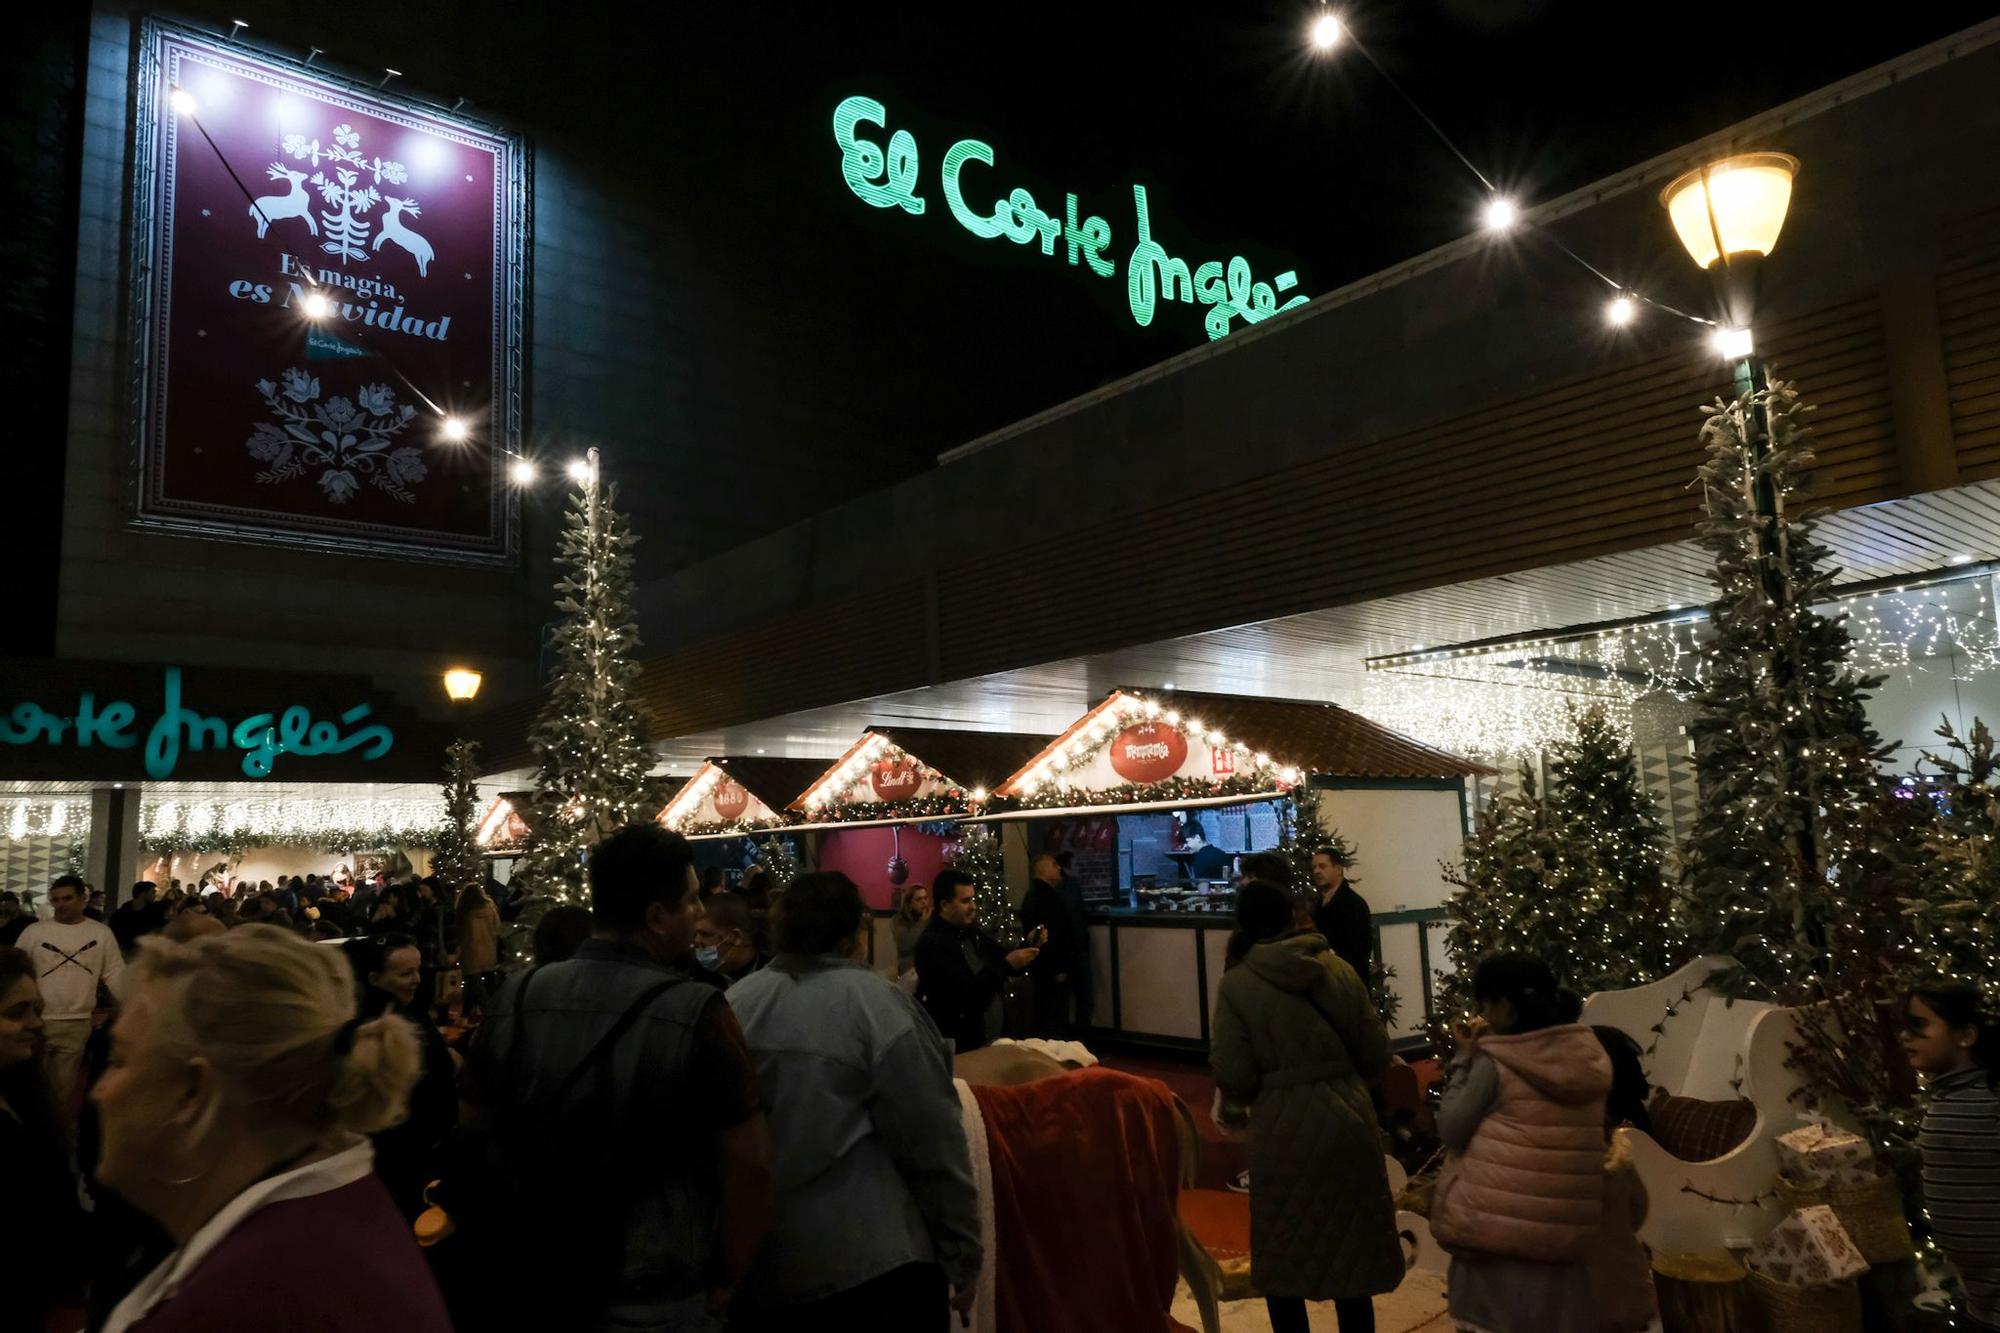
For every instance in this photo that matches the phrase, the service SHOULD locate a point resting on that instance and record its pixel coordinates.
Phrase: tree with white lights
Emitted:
(454, 858)
(590, 736)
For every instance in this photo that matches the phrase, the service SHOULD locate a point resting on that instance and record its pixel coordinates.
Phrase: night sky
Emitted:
(1247, 142)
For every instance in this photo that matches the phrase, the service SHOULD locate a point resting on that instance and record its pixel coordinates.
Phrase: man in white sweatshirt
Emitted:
(71, 955)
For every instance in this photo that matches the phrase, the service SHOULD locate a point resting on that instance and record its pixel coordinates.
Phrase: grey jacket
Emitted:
(866, 1125)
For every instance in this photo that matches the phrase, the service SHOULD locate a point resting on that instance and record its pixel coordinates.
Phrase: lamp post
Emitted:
(1727, 215)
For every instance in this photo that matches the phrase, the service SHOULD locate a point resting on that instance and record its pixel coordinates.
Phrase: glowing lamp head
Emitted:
(183, 102)
(454, 428)
(579, 470)
(1500, 216)
(1733, 344)
(1326, 32)
(1733, 207)
(462, 684)
(316, 306)
(1621, 311)
(521, 472)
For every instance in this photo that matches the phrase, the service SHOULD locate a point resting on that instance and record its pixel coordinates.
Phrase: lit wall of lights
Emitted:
(1498, 701)
(285, 818)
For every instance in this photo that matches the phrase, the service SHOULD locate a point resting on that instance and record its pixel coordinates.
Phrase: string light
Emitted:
(183, 102)
(521, 472)
(1500, 215)
(1620, 311)
(316, 306)
(454, 428)
(1326, 32)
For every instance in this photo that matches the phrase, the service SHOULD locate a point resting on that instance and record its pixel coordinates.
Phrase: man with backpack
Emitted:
(624, 1144)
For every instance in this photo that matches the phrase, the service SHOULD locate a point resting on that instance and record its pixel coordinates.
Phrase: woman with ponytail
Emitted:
(242, 1082)
(1954, 1043)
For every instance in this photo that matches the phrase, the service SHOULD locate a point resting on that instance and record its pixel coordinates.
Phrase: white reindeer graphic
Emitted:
(394, 230)
(294, 204)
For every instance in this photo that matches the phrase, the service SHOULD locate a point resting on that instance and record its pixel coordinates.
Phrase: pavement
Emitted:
(1417, 1305)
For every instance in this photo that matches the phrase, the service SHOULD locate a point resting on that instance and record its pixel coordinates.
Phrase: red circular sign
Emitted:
(896, 780)
(1149, 752)
(731, 799)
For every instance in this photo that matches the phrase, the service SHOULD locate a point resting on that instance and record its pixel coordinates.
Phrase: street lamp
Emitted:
(461, 684)
(1727, 215)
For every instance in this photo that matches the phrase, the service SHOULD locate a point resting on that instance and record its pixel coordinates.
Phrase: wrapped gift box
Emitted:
(1808, 1249)
(1820, 1154)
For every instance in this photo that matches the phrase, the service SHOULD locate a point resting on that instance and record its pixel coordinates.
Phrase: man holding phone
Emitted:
(960, 969)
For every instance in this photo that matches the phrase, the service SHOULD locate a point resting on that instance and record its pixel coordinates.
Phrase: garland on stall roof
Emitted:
(701, 828)
(242, 840)
(924, 807)
(1172, 789)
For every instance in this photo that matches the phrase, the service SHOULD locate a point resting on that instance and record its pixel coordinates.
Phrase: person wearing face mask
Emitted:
(725, 939)
(43, 1248)
(242, 1082)
(388, 971)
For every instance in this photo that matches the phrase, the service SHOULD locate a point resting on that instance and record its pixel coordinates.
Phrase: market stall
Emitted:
(504, 829)
(1158, 796)
(886, 812)
(734, 809)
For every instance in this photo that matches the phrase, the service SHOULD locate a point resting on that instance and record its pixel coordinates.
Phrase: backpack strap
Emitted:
(609, 1040)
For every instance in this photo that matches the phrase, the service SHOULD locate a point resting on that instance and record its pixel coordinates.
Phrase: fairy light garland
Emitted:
(1496, 701)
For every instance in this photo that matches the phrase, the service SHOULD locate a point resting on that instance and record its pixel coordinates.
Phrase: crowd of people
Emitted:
(699, 1109)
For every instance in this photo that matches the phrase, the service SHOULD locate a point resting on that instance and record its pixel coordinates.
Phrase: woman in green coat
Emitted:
(1295, 1039)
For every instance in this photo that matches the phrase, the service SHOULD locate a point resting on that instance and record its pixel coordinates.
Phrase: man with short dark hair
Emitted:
(1065, 947)
(1341, 914)
(634, 1081)
(14, 918)
(960, 970)
(72, 955)
(138, 915)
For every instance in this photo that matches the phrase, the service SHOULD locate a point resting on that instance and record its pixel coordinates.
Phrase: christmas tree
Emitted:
(978, 854)
(1571, 877)
(454, 858)
(1789, 828)
(1630, 934)
(1799, 857)
(1301, 835)
(1952, 911)
(780, 861)
(590, 736)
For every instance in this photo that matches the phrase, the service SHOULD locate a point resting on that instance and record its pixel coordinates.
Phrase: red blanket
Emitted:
(1086, 1167)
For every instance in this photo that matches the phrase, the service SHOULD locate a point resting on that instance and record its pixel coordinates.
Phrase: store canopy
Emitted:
(1142, 747)
(736, 794)
(900, 774)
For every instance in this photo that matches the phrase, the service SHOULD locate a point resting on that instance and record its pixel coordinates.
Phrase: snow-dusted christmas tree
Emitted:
(590, 737)
(455, 858)
(1570, 876)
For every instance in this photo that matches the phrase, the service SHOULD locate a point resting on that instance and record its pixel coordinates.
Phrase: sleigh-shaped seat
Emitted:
(1728, 1058)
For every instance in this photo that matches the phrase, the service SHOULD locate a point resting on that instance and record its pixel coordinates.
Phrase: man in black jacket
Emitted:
(960, 970)
(1065, 949)
(1341, 914)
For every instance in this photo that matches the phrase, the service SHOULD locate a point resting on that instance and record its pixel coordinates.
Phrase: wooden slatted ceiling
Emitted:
(1968, 297)
(1595, 464)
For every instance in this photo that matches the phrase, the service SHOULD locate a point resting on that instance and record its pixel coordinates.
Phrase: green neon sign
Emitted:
(887, 178)
(262, 737)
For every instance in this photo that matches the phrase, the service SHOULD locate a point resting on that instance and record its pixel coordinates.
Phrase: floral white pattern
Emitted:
(346, 441)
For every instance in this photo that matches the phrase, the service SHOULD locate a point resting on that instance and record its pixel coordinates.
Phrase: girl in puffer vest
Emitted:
(1522, 1192)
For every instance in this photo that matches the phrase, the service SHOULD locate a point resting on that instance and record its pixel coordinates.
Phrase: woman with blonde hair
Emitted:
(241, 1083)
(913, 913)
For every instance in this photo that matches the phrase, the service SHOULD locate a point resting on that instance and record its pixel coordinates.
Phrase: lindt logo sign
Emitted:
(1148, 752)
(895, 780)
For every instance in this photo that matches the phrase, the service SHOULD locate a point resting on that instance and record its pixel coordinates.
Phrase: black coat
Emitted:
(960, 973)
(1044, 905)
(1349, 927)
(407, 1154)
